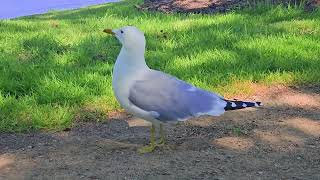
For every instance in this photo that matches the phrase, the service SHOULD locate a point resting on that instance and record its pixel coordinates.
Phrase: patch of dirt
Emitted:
(192, 6)
(278, 141)
(215, 6)
(312, 5)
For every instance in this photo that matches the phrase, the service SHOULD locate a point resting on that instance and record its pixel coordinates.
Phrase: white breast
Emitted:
(121, 83)
(126, 72)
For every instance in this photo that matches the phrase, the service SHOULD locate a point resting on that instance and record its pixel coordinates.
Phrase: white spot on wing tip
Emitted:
(233, 104)
(257, 105)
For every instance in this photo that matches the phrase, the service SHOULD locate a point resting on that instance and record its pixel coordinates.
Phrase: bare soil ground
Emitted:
(279, 141)
(214, 6)
(194, 6)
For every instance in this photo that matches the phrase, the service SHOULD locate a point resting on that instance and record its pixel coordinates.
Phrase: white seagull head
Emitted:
(130, 37)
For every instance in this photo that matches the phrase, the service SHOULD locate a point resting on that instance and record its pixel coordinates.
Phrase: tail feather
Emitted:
(234, 105)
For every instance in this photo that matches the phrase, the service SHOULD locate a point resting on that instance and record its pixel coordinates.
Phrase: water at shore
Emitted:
(16, 8)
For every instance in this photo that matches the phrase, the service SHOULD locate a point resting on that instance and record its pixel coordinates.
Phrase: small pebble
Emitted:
(298, 157)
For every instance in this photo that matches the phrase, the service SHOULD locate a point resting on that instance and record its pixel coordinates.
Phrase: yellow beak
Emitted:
(109, 31)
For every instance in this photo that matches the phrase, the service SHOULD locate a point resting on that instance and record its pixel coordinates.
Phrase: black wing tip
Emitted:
(234, 105)
(258, 104)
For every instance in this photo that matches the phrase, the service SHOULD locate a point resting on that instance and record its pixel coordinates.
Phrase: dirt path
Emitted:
(279, 141)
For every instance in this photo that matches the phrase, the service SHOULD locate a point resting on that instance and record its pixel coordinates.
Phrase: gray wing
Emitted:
(173, 99)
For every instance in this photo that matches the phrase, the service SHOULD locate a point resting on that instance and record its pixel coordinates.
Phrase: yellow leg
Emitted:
(163, 136)
(152, 145)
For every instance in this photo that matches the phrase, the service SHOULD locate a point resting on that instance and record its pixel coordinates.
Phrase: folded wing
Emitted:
(173, 99)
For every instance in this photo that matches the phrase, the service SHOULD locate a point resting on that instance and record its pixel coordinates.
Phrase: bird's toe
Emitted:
(147, 149)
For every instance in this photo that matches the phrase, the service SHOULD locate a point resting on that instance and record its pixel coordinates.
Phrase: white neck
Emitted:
(132, 59)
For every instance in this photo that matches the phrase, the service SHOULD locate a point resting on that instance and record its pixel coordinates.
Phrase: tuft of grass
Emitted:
(57, 67)
(239, 131)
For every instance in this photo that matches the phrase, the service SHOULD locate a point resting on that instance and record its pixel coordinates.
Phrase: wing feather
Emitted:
(173, 99)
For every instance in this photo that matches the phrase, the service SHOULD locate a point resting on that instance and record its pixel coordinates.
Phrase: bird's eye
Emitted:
(121, 31)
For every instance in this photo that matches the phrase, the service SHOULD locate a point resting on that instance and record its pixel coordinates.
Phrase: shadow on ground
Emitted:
(280, 140)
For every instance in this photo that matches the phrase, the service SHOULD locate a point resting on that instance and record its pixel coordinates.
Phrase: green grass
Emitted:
(56, 68)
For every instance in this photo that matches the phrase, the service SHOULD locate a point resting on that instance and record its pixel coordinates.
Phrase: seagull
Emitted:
(156, 96)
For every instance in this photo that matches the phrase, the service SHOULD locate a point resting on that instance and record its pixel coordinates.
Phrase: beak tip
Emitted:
(109, 31)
